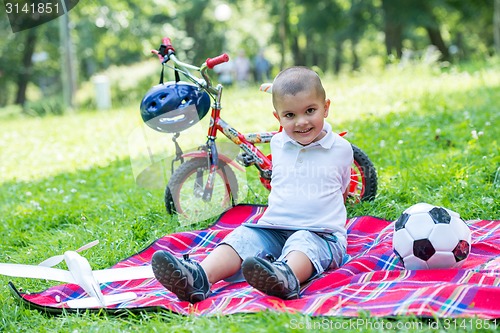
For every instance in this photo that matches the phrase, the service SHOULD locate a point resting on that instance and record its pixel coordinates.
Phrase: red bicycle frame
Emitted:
(246, 142)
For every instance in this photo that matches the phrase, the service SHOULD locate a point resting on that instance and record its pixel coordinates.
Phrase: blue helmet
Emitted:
(172, 107)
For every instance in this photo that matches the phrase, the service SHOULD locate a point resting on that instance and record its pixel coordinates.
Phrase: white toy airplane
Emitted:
(79, 272)
(266, 87)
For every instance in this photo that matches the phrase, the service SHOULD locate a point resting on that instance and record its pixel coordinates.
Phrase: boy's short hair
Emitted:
(296, 79)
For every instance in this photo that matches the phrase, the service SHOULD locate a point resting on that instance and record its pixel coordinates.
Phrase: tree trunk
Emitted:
(437, 40)
(393, 39)
(337, 65)
(298, 55)
(393, 29)
(355, 58)
(25, 75)
(496, 25)
(282, 32)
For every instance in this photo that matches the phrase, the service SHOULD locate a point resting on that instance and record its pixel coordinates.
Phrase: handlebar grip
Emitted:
(212, 62)
(166, 41)
(166, 46)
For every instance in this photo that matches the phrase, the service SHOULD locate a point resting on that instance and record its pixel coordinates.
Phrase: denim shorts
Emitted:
(323, 250)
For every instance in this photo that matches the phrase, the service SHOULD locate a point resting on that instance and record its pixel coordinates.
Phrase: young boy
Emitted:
(311, 173)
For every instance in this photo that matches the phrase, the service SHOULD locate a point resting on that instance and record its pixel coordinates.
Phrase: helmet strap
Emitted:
(162, 73)
(177, 77)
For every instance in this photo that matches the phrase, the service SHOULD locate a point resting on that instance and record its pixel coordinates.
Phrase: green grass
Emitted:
(67, 180)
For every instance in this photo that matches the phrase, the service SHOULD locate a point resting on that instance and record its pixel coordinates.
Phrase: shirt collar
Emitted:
(325, 142)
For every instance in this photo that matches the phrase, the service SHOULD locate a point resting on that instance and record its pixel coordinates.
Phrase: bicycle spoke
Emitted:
(192, 205)
(356, 185)
(198, 184)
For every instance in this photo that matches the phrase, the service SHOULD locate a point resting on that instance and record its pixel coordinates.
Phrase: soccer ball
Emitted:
(429, 237)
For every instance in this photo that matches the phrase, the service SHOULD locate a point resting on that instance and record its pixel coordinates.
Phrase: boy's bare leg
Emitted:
(300, 264)
(221, 263)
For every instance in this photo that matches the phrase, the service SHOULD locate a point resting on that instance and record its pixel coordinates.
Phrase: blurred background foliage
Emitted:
(333, 35)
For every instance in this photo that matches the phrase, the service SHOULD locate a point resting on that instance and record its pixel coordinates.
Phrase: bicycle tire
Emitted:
(179, 179)
(364, 173)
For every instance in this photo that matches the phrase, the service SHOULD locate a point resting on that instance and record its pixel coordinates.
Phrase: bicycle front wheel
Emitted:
(184, 191)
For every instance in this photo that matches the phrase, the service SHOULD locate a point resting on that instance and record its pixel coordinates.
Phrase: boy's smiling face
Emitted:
(302, 115)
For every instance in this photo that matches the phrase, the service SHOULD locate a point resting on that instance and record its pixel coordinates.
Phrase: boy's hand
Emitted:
(346, 193)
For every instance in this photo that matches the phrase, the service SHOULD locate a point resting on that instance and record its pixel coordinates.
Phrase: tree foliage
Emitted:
(329, 34)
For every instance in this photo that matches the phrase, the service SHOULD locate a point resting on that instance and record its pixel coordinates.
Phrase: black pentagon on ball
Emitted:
(401, 221)
(423, 249)
(440, 215)
(461, 251)
(399, 256)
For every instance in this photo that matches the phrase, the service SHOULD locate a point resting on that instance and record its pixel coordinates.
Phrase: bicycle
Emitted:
(205, 175)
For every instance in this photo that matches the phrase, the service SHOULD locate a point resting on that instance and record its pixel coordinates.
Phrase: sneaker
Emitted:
(275, 279)
(184, 277)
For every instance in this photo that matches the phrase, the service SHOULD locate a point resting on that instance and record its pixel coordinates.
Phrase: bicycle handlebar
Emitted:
(166, 49)
(212, 62)
(166, 52)
(166, 41)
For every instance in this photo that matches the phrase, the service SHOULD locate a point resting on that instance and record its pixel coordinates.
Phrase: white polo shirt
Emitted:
(308, 182)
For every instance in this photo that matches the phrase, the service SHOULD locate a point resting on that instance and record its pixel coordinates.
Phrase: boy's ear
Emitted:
(276, 115)
(327, 107)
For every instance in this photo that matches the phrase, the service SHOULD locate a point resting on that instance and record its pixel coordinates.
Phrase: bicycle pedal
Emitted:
(245, 159)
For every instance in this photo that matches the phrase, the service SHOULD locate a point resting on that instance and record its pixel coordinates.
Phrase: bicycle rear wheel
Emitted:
(363, 186)
(184, 191)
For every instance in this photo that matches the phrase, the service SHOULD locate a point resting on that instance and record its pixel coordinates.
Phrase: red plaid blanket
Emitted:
(374, 280)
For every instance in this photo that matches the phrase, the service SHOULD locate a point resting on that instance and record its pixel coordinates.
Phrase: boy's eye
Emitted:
(311, 110)
(289, 115)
